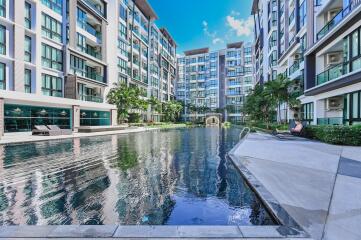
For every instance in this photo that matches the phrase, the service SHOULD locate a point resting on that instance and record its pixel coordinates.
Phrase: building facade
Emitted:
(318, 47)
(58, 60)
(215, 81)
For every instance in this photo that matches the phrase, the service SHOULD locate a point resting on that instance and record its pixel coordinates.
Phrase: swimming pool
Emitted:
(172, 177)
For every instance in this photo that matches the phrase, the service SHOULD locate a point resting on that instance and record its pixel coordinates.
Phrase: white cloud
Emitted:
(235, 13)
(212, 35)
(217, 40)
(242, 27)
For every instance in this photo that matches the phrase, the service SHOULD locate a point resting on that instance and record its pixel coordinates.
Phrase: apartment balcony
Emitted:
(90, 98)
(96, 6)
(337, 19)
(89, 74)
(91, 29)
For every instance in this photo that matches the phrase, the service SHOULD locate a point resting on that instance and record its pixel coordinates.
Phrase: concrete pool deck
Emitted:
(317, 184)
(26, 137)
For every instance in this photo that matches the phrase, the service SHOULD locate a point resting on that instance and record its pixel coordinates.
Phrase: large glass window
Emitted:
(51, 85)
(27, 80)
(307, 112)
(55, 5)
(303, 13)
(20, 118)
(122, 66)
(355, 44)
(94, 118)
(78, 65)
(123, 14)
(2, 76)
(27, 50)
(51, 57)
(2, 40)
(122, 31)
(3, 8)
(50, 27)
(27, 20)
(352, 107)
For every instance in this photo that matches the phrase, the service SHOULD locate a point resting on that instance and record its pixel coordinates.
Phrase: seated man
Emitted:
(298, 128)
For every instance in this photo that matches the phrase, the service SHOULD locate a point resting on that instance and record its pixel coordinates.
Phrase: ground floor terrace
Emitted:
(341, 106)
(20, 112)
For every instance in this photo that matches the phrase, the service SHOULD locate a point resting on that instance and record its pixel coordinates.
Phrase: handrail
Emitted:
(241, 136)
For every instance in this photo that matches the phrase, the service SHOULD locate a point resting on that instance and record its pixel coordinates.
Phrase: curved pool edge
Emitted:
(288, 226)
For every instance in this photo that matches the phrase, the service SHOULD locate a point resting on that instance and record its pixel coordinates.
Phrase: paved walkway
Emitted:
(23, 137)
(319, 185)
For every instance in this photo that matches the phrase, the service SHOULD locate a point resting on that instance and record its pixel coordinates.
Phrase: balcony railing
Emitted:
(338, 18)
(330, 121)
(94, 76)
(90, 98)
(90, 29)
(330, 74)
(295, 66)
(95, 7)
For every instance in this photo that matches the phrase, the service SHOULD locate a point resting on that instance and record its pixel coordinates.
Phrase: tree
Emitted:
(279, 91)
(259, 106)
(172, 110)
(156, 105)
(126, 99)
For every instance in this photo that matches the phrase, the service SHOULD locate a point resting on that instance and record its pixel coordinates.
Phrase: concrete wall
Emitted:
(1, 117)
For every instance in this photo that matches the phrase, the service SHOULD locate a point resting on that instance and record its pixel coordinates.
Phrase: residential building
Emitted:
(215, 81)
(333, 66)
(58, 60)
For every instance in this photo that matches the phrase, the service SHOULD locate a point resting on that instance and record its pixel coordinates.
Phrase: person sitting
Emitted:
(297, 129)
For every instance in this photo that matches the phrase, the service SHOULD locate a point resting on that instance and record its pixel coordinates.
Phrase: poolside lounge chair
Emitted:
(44, 131)
(62, 131)
(294, 129)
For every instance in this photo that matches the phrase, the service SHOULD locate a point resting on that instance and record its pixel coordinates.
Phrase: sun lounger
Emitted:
(62, 131)
(44, 131)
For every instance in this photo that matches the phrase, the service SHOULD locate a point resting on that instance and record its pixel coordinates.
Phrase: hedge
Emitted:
(339, 135)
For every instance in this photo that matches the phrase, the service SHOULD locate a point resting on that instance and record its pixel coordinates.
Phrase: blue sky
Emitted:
(205, 23)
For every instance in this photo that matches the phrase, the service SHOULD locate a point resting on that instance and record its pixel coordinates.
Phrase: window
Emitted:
(55, 5)
(303, 14)
(2, 40)
(307, 112)
(78, 65)
(122, 66)
(122, 31)
(27, 45)
(355, 44)
(50, 28)
(51, 57)
(81, 42)
(123, 14)
(122, 45)
(2, 76)
(3, 8)
(27, 15)
(51, 85)
(27, 80)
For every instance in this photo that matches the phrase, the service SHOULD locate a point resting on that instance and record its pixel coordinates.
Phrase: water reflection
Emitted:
(161, 177)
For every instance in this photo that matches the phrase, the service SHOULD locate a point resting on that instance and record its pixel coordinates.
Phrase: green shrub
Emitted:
(339, 135)
(134, 118)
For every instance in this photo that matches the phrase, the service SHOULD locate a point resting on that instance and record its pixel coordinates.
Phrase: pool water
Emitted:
(169, 177)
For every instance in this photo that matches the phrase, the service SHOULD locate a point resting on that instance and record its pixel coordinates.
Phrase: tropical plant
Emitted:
(127, 99)
(155, 104)
(171, 110)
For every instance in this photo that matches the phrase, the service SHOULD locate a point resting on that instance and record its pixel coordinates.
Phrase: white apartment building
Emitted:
(215, 81)
(58, 60)
(333, 64)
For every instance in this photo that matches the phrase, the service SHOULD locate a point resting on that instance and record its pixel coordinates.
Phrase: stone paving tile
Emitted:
(350, 167)
(320, 156)
(25, 231)
(147, 231)
(209, 231)
(353, 153)
(344, 220)
(83, 231)
(260, 231)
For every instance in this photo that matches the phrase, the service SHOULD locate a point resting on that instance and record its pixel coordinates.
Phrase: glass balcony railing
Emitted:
(330, 121)
(94, 76)
(330, 74)
(295, 66)
(89, 98)
(93, 53)
(90, 29)
(338, 18)
(95, 7)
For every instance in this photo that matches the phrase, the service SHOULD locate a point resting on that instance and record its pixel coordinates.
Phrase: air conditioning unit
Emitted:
(333, 59)
(298, 56)
(334, 104)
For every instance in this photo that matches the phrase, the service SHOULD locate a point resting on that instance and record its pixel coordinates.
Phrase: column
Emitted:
(19, 39)
(76, 118)
(114, 117)
(2, 121)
